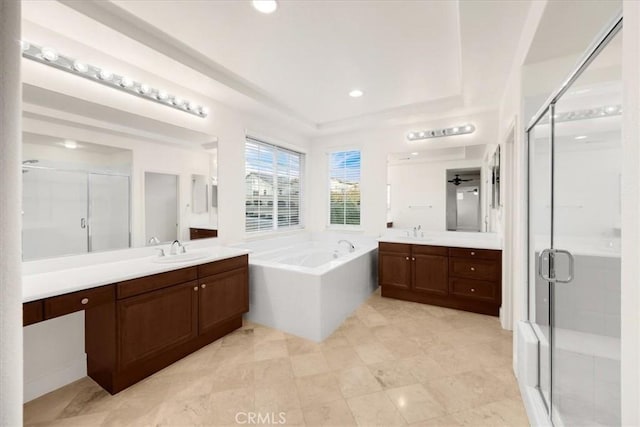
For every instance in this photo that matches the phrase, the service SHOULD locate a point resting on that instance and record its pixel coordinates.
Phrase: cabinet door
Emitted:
(153, 322)
(222, 297)
(430, 274)
(395, 269)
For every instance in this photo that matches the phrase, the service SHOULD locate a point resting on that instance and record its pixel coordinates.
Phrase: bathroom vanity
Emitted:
(138, 326)
(450, 276)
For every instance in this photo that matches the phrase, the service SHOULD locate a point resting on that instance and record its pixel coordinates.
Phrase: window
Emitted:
(273, 187)
(344, 188)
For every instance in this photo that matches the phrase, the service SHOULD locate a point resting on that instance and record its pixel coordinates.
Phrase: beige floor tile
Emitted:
(374, 352)
(272, 371)
(277, 397)
(467, 390)
(392, 374)
(309, 364)
(395, 361)
(507, 413)
(297, 345)
(357, 381)
(270, 350)
(375, 409)
(342, 358)
(317, 389)
(415, 403)
(330, 414)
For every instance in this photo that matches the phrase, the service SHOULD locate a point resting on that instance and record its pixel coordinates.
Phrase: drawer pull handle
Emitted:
(203, 286)
(84, 301)
(195, 288)
(473, 289)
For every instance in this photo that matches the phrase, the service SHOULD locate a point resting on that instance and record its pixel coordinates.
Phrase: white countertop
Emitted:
(452, 239)
(52, 283)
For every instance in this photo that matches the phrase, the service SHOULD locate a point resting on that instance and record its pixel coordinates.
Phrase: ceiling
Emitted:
(302, 60)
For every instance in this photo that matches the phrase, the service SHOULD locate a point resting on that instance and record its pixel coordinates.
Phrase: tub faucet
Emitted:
(176, 244)
(351, 246)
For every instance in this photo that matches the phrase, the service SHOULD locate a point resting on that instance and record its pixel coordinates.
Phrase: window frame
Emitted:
(347, 227)
(277, 147)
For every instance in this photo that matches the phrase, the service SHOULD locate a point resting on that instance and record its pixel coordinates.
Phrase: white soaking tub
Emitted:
(308, 285)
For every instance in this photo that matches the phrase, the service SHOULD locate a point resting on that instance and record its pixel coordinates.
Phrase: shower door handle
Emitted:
(551, 253)
(83, 223)
(541, 256)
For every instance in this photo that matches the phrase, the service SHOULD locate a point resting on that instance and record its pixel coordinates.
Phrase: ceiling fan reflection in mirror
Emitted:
(457, 180)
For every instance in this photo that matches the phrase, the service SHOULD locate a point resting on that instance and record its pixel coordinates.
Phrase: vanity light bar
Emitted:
(589, 113)
(437, 133)
(49, 56)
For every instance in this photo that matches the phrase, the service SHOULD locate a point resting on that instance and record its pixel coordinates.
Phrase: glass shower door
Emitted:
(585, 311)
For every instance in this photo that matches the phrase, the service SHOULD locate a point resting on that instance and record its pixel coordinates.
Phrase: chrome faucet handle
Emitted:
(154, 241)
(161, 252)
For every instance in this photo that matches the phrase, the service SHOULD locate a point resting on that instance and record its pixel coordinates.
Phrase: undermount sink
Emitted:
(170, 259)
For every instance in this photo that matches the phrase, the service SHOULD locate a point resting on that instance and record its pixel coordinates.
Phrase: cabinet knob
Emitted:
(407, 258)
(84, 301)
(413, 259)
(473, 289)
(473, 253)
(473, 269)
(195, 288)
(203, 286)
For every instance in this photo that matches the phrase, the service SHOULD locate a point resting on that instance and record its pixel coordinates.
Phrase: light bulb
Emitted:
(421, 134)
(356, 93)
(162, 95)
(49, 54)
(204, 111)
(126, 82)
(177, 101)
(468, 128)
(144, 89)
(265, 6)
(105, 75)
(70, 144)
(191, 106)
(411, 135)
(455, 130)
(80, 66)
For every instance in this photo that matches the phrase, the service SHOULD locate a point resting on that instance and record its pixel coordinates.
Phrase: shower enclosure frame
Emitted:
(548, 108)
(89, 216)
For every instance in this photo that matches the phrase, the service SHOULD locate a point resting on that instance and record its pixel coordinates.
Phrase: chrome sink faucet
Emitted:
(177, 248)
(351, 245)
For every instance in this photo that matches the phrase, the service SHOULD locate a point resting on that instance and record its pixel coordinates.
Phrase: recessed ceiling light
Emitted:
(265, 6)
(356, 93)
(581, 137)
(70, 144)
(415, 153)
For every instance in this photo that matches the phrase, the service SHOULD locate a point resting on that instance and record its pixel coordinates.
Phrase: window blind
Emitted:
(273, 179)
(344, 187)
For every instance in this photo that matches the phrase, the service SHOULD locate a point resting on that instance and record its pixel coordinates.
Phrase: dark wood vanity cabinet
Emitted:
(461, 278)
(202, 233)
(137, 327)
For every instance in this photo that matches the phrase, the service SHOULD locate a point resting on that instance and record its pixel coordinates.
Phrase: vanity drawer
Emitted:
(476, 289)
(429, 250)
(475, 253)
(202, 233)
(78, 301)
(394, 247)
(223, 265)
(32, 312)
(157, 281)
(477, 269)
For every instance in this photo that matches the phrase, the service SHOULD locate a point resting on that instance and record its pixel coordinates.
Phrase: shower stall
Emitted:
(66, 211)
(575, 164)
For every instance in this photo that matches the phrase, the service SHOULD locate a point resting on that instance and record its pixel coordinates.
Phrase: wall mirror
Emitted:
(419, 192)
(92, 184)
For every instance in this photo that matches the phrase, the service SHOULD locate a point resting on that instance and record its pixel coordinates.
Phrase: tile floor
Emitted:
(391, 363)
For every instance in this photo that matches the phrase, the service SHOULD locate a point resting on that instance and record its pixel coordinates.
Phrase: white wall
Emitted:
(10, 189)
